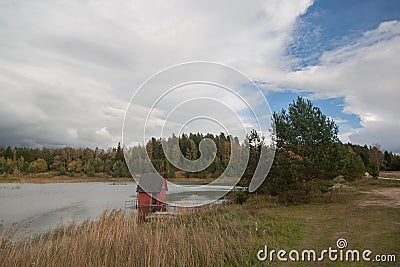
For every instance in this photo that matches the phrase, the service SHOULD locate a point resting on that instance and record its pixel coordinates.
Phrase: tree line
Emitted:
(188, 146)
(63, 161)
(308, 150)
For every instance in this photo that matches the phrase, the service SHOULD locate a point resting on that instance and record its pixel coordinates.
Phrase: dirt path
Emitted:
(389, 178)
(388, 197)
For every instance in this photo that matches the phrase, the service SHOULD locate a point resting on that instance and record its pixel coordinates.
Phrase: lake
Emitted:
(39, 207)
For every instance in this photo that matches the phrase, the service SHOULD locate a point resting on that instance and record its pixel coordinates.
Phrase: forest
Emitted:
(307, 150)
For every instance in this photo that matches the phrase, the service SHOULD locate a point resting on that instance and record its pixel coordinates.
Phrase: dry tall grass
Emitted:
(214, 236)
(224, 235)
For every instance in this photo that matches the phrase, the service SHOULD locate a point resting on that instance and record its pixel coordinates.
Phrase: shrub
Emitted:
(241, 197)
(373, 170)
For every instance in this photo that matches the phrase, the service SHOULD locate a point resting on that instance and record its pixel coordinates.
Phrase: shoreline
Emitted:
(184, 179)
(86, 179)
(62, 179)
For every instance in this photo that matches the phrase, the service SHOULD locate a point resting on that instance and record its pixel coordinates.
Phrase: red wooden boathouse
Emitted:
(152, 193)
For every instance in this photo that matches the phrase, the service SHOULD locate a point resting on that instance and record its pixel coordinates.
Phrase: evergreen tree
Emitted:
(307, 149)
(352, 164)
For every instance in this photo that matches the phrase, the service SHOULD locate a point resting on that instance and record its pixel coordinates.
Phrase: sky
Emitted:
(68, 69)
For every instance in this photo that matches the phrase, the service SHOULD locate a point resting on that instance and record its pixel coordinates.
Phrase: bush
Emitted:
(295, 193)
(38, 166)
(339, 179)
(90, 171)
(324, 188)
(62, 171)
(241, 197)
(373, 170)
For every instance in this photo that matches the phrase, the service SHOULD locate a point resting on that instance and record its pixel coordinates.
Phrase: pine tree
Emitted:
(307, 149)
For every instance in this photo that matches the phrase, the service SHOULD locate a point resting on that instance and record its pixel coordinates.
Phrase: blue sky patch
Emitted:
(332, 107)
(329, 24)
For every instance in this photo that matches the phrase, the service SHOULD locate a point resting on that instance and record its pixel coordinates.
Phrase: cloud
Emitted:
(69, 68)
(366, 73)
(338, 120)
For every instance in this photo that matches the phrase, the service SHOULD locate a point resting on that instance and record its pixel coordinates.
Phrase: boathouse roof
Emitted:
(150, 183)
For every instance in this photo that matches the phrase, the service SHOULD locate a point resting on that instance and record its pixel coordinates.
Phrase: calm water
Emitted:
(38, 207)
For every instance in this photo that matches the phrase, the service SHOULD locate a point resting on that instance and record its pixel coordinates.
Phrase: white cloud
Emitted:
(68, 69)
(73, 133)
(103, 132)
(338, 120)
(74, 64)
(367, 74)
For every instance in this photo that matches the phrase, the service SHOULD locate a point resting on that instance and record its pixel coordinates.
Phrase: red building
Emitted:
(152, 193)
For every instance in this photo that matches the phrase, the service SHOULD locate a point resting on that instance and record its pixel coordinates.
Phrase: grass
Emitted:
(223, 235)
